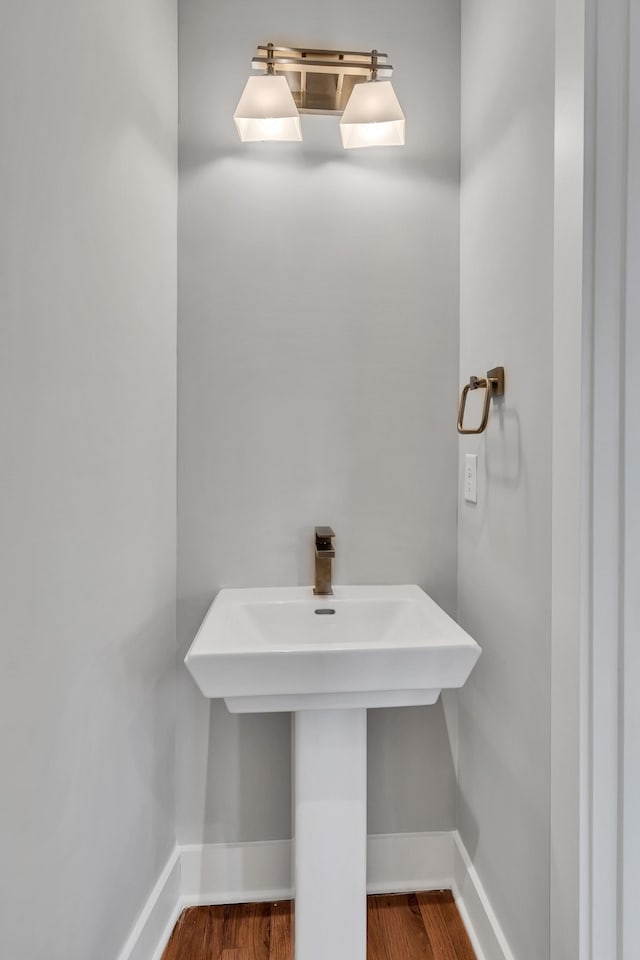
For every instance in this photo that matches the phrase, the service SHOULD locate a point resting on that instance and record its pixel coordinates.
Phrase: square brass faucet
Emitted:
(324, 555)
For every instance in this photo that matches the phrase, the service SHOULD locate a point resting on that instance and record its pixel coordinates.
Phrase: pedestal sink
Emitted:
(327, 659)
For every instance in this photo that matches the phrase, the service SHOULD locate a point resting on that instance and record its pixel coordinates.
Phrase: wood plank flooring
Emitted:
(416, 926)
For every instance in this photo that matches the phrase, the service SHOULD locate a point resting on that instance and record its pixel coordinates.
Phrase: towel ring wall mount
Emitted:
(493, 385)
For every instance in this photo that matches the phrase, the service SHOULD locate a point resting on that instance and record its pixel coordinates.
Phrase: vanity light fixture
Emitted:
(351, 85)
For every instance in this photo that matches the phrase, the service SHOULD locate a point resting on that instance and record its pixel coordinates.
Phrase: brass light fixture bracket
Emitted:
(321, 81)
(493, 385)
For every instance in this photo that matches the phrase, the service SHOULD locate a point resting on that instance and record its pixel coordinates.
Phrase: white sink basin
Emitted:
(272, 649)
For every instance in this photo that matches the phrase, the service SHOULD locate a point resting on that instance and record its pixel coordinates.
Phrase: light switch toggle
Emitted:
(471, 477)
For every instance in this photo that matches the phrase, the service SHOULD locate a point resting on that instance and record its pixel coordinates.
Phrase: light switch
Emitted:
(471, 477)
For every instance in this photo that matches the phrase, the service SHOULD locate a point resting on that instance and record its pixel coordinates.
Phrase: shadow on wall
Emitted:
(500, 452)
(196, 158)
(504, 448)
(248, 795)
(234, 776)
(147, 664)
(397, 772)
(487, 130)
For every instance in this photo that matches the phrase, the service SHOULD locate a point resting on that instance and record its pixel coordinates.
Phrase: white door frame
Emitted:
(629, 836)
(569, 494)
(595, 764)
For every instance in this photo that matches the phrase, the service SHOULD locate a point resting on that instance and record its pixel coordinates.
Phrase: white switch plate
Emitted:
(471, 477)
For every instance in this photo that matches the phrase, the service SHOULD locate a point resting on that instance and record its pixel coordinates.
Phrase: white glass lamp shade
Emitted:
(372, 117)
(267, 110)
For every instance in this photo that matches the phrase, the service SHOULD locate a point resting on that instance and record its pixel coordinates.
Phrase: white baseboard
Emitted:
(485, 932)
(153, 927)
(244, 872)
(236, 872)
(406, 862)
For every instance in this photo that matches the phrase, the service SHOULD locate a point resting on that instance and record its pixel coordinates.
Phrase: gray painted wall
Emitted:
(88, 185)
(504, 543)
(318, 363)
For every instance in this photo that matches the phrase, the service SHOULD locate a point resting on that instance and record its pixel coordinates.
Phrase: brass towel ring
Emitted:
(493, 385)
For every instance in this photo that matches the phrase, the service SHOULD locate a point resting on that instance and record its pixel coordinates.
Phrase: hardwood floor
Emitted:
(416, 926)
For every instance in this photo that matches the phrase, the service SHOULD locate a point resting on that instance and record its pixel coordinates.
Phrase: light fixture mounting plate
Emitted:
(321, 81)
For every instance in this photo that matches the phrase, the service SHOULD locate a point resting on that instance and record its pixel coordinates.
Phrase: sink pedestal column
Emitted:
(330, 797)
